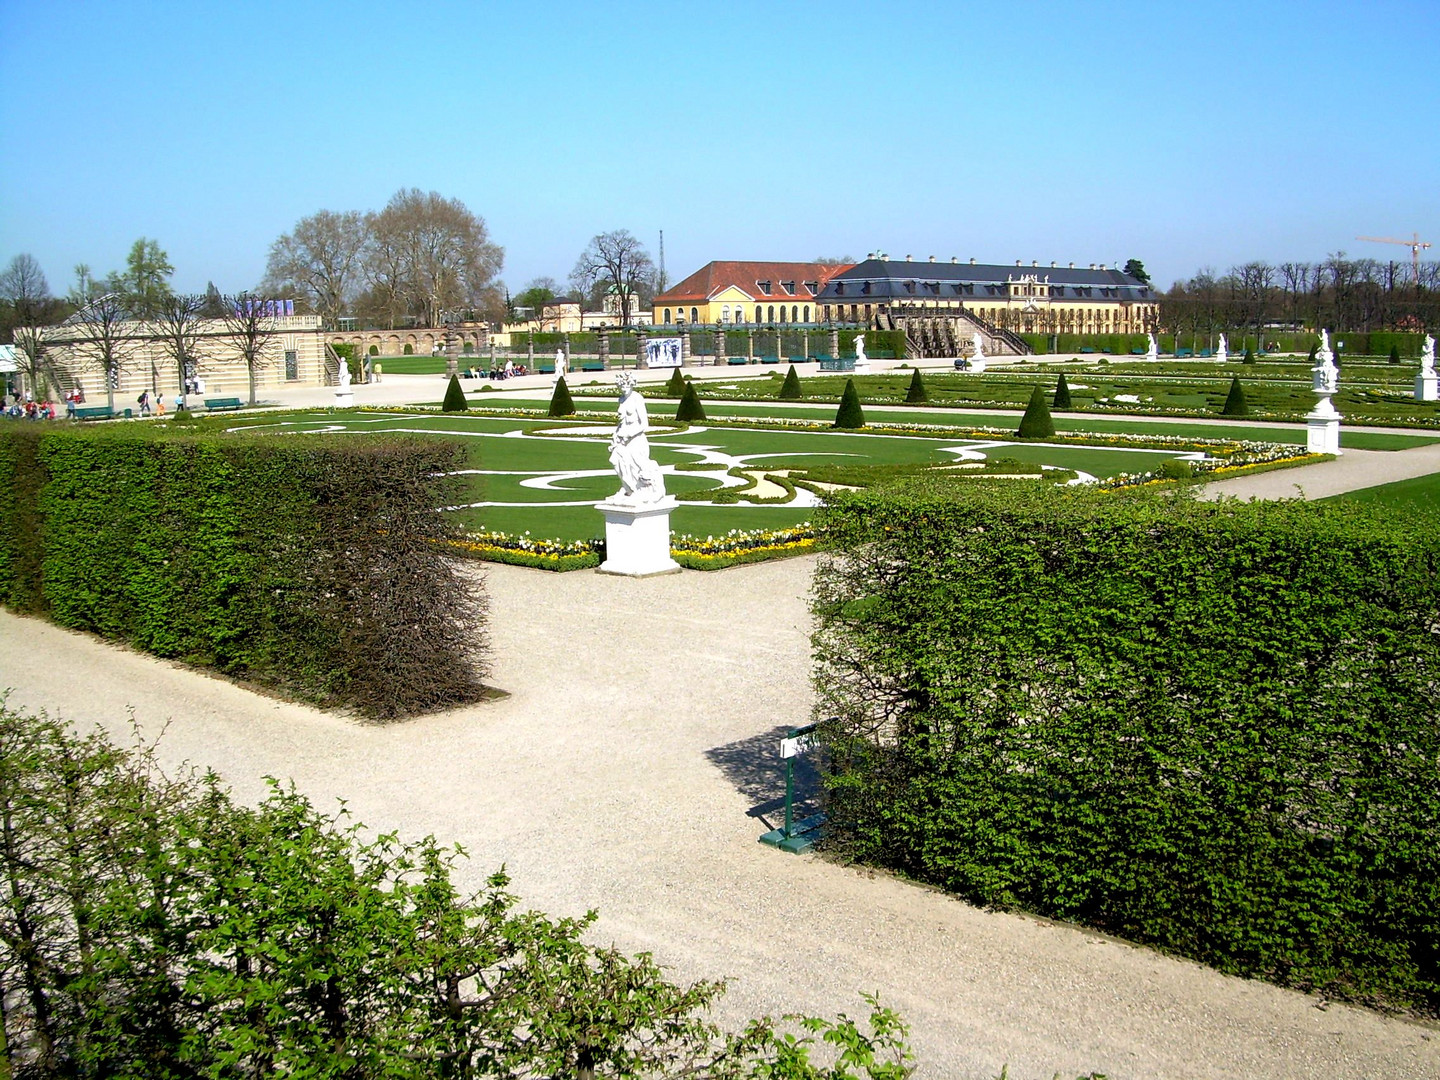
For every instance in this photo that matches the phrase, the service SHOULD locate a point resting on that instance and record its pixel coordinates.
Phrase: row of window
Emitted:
(764, 313)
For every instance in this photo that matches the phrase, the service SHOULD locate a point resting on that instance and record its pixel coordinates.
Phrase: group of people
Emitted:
(509, 371)
(25, 405)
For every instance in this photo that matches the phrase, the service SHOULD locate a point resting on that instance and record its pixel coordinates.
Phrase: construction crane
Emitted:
(1415, 244)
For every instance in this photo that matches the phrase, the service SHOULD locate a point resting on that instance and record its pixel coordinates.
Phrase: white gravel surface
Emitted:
(621, 774)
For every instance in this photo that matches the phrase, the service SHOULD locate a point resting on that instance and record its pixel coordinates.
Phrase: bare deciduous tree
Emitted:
(251, 327)
(615, 259)
(23, 284)
(320, 258)
(101, 336)
(177, 325)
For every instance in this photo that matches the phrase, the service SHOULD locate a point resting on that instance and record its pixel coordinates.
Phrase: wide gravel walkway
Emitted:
(629, 770)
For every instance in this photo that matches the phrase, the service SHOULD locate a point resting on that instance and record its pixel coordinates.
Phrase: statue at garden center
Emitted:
(1326, 374)
(1152, 352)
(860, 349)
(978, 344)
(640, 478)
(1221, 352)
(344, 380)
(1427, 357)
(561, 368)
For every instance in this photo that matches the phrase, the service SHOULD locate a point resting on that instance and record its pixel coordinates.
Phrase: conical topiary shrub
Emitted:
(1036, 423)
(850, 414)
(689, 410)
(916, 395)
(676, 386)
(790, 388)
(1314, 351)
(1394, 354)
(560, 401)
(454, 397)
(1235, 404)
(1062, 394)
(1249, 357)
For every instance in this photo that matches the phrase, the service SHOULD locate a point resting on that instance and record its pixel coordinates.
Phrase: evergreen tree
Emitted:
(1249, 357)
(689, 409)
(1036, 423)
(1314, 350)
(1394, 354)
(850, 414)
(560, 401)
(916, 394)
(676, 386)
(790, 388)
(454, 397)
(1235, 404)
(1062, 394)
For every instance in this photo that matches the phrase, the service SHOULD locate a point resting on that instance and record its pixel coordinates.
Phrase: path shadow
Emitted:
(753, 765)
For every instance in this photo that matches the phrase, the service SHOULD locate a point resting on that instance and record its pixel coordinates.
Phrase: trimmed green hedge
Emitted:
(308, 565)
(1209, 727)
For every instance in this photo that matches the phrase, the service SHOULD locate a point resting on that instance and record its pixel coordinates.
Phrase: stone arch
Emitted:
(392, 345)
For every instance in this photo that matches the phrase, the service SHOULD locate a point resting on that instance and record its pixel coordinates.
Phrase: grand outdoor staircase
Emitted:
(948, 334)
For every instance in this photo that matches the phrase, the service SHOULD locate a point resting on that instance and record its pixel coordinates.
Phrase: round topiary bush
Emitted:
(850, 414)
(689, 410)
(916, 395)
(561, 404)
(790, 388)
(1062, 394)
(454, 397)
(1036, 423)
(1235, 404)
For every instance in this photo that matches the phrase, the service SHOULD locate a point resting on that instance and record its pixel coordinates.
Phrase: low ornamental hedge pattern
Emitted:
(1211, 727)
(308, 565)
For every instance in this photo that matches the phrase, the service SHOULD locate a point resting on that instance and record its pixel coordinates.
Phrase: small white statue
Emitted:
(1326, 375)
(1221, 352)
(860, 349)
(640, 478)
(344, 380)
(561, 367)
(1153, 351)
(978, 344)
(1427, 357)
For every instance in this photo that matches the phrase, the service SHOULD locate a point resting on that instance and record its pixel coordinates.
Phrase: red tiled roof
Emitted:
(715, 277)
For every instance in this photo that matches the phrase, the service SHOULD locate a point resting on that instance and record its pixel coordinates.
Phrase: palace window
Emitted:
(694, 315)
(667, 316)
(788, 286)
(759, 315)
(795, 313)
(772, 312)
(813, 287)
(807, 312)
(764, 287)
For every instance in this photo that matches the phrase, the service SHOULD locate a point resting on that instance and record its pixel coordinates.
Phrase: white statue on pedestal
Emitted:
(1153, 351)
(640, 478)
(1427, 358)
(1326, 376)
(1427, 386)
(344, 382)
(1221, 353)
(561, 367)
(860, 357)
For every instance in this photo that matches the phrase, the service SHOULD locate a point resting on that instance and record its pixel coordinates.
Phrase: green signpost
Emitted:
(796, 837)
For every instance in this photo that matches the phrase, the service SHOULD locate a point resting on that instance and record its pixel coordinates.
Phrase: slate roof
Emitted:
(890, 279)
(715, 277)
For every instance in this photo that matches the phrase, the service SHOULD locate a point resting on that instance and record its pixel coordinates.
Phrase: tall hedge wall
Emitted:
(1209, 727)
(306, 564)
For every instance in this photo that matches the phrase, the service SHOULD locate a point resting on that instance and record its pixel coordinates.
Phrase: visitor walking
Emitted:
(144, 402)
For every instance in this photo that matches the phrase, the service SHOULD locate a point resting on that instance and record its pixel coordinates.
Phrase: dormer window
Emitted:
(909, 286)
(788, 286)
(865, 289)
(813, 287)
(839, 288)
(764, 287)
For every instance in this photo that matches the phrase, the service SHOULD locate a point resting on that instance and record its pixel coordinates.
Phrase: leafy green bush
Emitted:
(790, 389)
(408, 350)
(916, 395)
(1207, 726)
(374, 350)
(1036, 423)
(454, 397)
(155, 927)
(850, 414)
(561, 403)
(689, 410)
(1177, 470)
(1062, 393)
(312, 566)
(1235, 404)
(675, 387)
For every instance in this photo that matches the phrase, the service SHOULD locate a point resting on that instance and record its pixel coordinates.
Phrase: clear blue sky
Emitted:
(1182, 134)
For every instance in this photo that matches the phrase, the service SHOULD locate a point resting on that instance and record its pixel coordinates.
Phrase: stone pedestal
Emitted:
(685, 346)
(344, 399)
(1427, 387)
(637, 538)
(1323, 429)
(720, 346)
(641, 361)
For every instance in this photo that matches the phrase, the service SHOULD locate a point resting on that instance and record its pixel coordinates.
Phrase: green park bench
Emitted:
(834, 363)
(1182, 354)
(737, 361)
(220, 404)
(547, 369)
(1137, 351)
(883, 354)
(95, 412)
(819, 358)
(769, 359)
(1086, 349)
(592, 367)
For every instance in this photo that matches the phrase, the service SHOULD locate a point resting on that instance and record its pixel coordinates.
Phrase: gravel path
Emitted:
(626, 772)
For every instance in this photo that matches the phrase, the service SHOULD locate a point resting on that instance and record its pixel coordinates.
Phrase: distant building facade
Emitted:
(1021, 299)
(746, 293)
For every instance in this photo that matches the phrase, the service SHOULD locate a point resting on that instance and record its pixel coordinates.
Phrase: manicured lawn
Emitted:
(544, 476)
(1419, 492)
